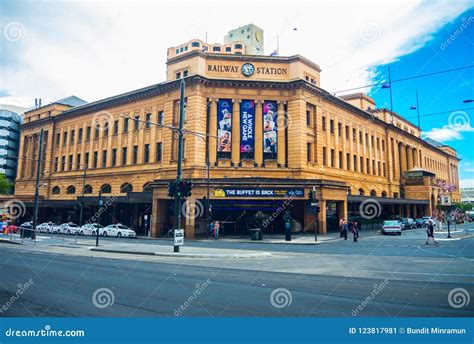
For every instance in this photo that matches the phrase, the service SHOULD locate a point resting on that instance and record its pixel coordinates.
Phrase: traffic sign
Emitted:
(178, 237)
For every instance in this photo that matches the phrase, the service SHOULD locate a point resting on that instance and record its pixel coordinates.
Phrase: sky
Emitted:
(53, 49)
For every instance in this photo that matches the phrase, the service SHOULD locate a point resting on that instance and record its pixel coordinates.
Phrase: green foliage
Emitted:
(5, 184)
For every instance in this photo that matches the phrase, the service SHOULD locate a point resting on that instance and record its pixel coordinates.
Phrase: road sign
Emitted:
(178, 237)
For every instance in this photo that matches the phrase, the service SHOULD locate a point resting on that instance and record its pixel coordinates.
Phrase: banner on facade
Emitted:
(259, 192)
(247, 126)
(270, 127)
(224, 125)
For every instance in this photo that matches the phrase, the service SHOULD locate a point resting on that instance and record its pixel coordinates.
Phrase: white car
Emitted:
(90, 229)
(68, 228)
(392, 227)
(48, 227)
(119, 231)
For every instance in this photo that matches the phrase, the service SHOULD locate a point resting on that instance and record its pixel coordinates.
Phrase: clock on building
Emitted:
(248, 69)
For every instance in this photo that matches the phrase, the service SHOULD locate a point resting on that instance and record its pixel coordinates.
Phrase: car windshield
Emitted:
(73, 225)
(390, 223)
(122, 227)
(97, 226)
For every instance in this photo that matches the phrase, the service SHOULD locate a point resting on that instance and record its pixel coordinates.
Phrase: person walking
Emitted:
(430, 233)
(345, 229)
(216, 230)
(210, 229)
(341, 227)
(355, 231)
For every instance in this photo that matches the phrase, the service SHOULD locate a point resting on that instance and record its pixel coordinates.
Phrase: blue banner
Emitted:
(247, 126)
(237, 330)
(270, 127)
(224, 125)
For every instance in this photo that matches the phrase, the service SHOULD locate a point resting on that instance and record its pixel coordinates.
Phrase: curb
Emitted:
(187, 255)
(8, 241)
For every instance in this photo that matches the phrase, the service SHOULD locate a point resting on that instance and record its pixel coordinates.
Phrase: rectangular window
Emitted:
(379, 168)
(354, 135)
(348, 161)
(185, 73)
(116, 124)
(374, 172)
(372, 141)
(104, 158)
(383, 145)
(366, 139)
(136, 123)
(135, 155)
(354, 164)
(361, 139)
(161, 117)
(148, 120)
(332, 157)
(308, 151)
(367, 162)
(69, 165)
(65, 138)
(88, 133)
(96, 158)
(58, 139)
(124, 155)
(114, 157)
(347, 132)
(323, 123)
(384, 170)
(78, 161)
(125, 125)
(308, 118)
(146, 153)
(325, 158)
(63, 163)
(56, 163)
(339, 129)
(86, 159)
(331, 126)
(97, 131)
(361, 165)
(340, 159)
(73, 136)
(178, 75)
(159, 151)
(79, 136)
(378, 144)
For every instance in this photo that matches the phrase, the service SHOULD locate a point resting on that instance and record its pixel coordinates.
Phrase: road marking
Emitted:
(422, 273)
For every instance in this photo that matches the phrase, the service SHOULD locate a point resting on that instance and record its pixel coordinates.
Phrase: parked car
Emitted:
(68, 228)
(392, 227)
(420, 223)
(119, 231)
(48, 227)
(11, 229)
(408, 223)
(26, 230)
(90, 229)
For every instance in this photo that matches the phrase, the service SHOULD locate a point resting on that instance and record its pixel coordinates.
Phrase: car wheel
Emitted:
(399, 233)
(119, 235)
(105, 234)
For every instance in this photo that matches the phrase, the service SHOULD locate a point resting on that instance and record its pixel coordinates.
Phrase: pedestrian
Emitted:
(345, 229)
(341, 227)
(216, 230)
(430, 233)
(355, 231)
(210, 229)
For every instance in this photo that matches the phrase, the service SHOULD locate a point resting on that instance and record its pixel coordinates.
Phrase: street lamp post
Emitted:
(37, 184)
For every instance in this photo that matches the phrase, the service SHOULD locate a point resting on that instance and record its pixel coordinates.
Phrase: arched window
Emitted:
(395, 195)
(361, 192)
(106, 188)
(146, 186)
(56, 190)
(384, 194)
(373, 193)
(71, 190)
(126, 187)
(88, 189)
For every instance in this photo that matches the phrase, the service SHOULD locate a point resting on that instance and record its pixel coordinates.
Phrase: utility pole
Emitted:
(38, 180)
(177, 197)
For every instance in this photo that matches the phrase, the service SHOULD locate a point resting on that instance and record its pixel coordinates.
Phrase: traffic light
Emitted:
(172, 189)
(184, 188)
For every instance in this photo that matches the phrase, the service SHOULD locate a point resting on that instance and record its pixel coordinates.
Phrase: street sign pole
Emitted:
(177, 197)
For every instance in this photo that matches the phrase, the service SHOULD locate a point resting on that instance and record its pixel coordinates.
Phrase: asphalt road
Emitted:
(383, 276)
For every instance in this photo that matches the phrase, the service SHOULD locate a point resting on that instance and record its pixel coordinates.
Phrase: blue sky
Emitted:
(52, 49)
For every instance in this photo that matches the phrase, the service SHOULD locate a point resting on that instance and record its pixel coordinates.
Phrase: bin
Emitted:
(255, 234)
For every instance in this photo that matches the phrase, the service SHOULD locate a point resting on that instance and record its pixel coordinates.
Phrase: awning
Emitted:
(385, 200)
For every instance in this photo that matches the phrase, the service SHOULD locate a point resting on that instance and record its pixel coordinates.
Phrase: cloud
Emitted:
(99, 49)
(458, 122)
(466, 183)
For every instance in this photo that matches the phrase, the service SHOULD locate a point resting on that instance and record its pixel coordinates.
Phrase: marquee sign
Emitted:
(259, 192)
(247, 69)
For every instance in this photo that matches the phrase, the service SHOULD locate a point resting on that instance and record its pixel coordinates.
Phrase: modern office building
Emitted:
(271, 136)
(11, 118)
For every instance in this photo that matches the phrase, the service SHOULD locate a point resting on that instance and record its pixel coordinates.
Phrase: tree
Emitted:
(5, 184)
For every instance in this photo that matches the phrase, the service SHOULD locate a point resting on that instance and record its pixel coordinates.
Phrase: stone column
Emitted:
(282, 124)
(213, 132)
(190, 218)
(157, 217)
(322, 225)
(235, 155)
(258, 133)
(409, 157)
(21, 155)
(403, 159)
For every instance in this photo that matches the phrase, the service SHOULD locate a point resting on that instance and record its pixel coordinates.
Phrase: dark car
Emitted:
(26, 230)
(408, 223)
(420, 223)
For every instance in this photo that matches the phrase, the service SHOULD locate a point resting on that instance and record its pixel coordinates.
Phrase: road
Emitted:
(378, 276)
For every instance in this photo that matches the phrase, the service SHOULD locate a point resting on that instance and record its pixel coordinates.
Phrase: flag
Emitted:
(413, 107)
(274, 53)
(385, 86)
